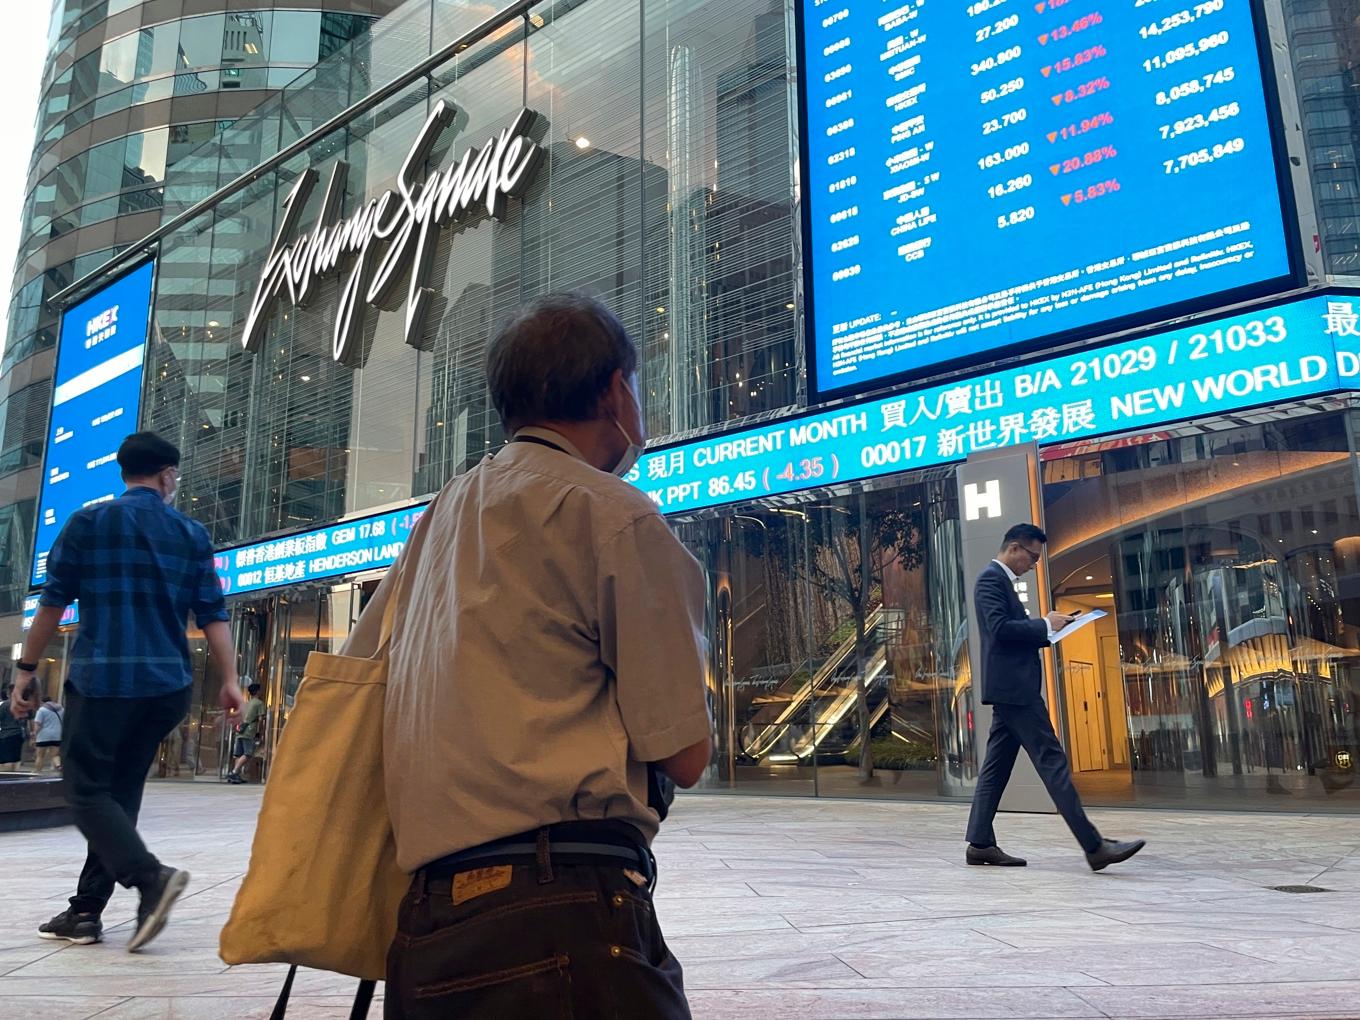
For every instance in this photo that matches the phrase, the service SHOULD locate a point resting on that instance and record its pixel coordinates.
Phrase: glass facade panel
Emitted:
(200, 42)
(834, 618)
(104, 168)
(295, 37)
(1227, 668)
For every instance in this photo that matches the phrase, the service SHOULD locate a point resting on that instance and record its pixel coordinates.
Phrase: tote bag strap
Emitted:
(372, 632)
(401, 572)
(363, 998)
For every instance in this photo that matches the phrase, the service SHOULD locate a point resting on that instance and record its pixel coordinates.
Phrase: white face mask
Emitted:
(635, 450)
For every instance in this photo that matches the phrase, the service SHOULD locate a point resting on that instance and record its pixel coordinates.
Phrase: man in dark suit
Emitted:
(1012, 683)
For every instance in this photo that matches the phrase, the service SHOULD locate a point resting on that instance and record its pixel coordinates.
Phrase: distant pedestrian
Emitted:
(13, 735)
(47, 736)
(1012, 677)
(139, 568)
(247, 734)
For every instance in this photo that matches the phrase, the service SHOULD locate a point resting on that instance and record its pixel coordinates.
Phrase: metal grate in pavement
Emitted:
(1298, 888)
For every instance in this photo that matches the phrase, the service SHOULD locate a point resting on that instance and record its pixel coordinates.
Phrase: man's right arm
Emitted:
(62, 588)
(210, 610)
(994, 616)
(687, 767)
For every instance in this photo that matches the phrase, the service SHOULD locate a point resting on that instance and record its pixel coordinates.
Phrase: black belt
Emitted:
(607, 843)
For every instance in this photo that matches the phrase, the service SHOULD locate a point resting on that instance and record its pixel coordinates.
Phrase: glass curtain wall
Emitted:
(839, 642)
(1228, 671)
(667, 192)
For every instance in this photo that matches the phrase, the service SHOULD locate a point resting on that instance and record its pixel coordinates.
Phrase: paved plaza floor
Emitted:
(808, 909)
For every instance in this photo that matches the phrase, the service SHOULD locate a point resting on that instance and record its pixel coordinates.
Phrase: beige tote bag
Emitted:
(323, 888)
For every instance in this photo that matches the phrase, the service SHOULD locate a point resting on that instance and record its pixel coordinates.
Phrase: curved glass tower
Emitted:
(130, 87)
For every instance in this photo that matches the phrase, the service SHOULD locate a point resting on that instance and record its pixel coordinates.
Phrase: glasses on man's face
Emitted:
(1034, 554)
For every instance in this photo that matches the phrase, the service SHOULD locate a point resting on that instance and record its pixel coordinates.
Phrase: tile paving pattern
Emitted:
(797, 909)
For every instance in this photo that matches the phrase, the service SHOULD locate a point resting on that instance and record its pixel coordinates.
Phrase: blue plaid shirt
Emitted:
(138, 567)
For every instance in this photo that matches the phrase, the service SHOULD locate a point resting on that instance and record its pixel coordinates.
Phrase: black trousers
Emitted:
(576, 941)
(108, 746)
(1027, 726)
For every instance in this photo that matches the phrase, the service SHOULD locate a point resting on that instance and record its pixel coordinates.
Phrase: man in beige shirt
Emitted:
(547, 659)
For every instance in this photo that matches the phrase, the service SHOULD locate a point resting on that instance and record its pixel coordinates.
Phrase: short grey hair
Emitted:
(554, 361)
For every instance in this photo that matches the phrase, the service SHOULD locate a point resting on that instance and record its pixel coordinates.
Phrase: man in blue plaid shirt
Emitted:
(138, 567)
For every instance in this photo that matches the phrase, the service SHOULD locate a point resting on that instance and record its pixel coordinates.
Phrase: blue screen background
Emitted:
(968, 256)
(87, 427)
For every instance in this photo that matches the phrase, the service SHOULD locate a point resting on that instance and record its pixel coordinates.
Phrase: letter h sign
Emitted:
(980, 499)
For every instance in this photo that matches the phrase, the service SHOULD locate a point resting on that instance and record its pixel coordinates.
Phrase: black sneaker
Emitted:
(69, 926)
(154, 909)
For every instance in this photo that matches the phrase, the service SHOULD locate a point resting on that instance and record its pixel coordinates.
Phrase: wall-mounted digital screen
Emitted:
(984, 176)
(350, 547)
(96, 401)
(1265, 355)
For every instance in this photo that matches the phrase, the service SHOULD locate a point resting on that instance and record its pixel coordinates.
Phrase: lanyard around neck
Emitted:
(540, 442)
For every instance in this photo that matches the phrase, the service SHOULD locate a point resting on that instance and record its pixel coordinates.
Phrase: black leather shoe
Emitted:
(994, 855)
(1112, 851)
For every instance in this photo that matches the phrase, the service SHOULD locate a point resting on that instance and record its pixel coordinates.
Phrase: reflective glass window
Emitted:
(151, 91)
(245, 40)
(58, 98)
(158, 49)
(338, 31)
(98, 211)
(113, 102)
(294, 39)
(146, 157)
(200, 41)
(118, 62)
(70, 180)
(140, 201)
(85, 78)
(185, 138)
(193, 83)
(104, 171)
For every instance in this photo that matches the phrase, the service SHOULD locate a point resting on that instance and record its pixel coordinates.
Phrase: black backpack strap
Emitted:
(363, 998)
(281, 1007)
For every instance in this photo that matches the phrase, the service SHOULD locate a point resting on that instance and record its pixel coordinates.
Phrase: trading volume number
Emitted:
(1195, 86)
(1201, 120)
(1205, 156)
(1186, 52)
(1181, 18)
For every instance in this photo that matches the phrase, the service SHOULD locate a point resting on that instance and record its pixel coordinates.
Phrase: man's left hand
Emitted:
(24, 699)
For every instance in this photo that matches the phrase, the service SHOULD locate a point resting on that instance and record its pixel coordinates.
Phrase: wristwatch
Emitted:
(26, 667)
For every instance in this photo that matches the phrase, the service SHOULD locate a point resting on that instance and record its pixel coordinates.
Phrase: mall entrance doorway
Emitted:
(273, 637)
(1227, 672)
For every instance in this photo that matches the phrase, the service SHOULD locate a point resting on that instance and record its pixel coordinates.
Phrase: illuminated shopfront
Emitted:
(807, 372)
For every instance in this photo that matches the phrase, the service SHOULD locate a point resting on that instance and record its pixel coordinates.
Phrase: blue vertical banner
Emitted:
(96, 403)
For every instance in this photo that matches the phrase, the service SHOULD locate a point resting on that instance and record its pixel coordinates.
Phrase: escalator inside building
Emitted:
(1226, 671)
